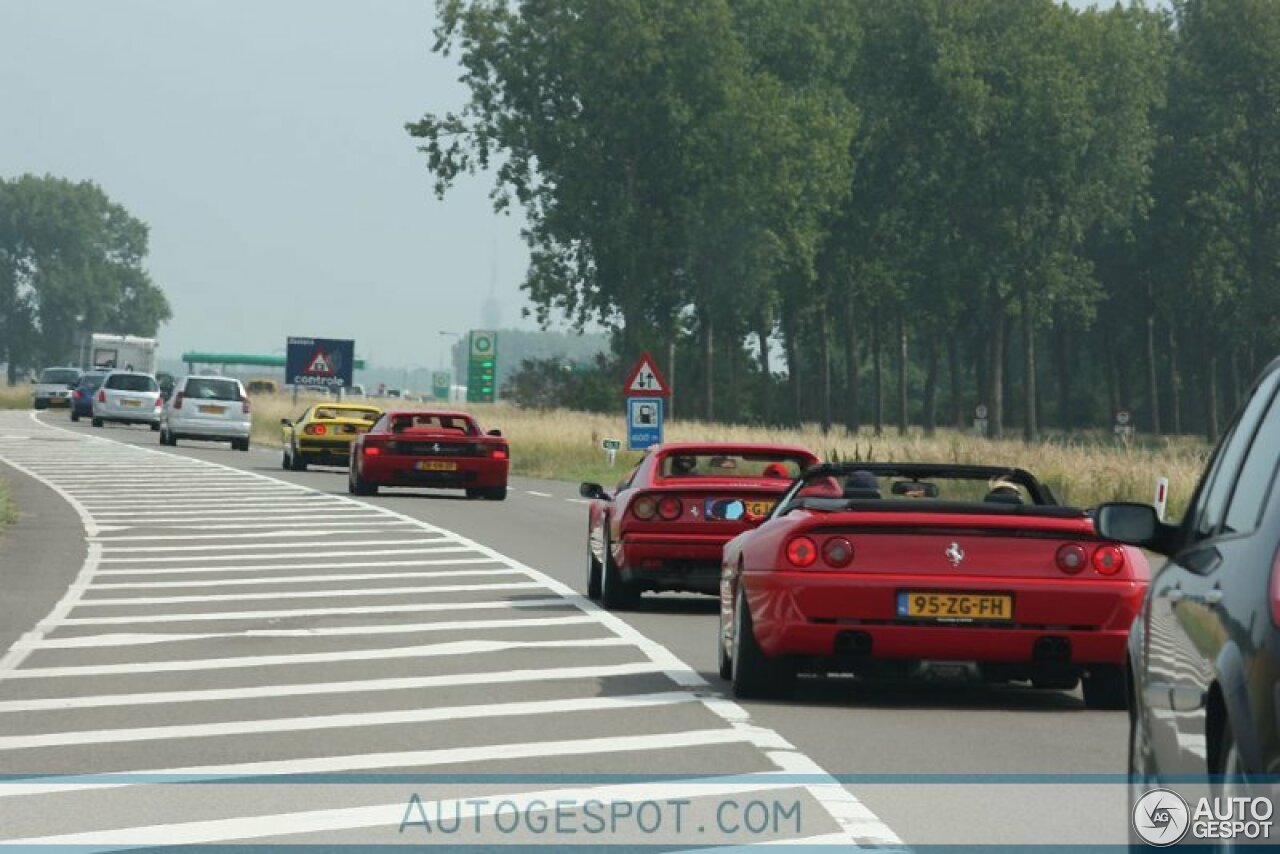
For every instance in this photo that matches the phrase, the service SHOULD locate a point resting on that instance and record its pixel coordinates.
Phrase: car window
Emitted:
(92, 381)
(1211, 507)
(1257, 473)
(64, 376)
(207, 388)
(131, 382)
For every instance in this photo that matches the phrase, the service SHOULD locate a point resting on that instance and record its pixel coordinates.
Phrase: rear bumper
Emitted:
(815, 614)
(673, 561)
(474, 473)
(320, 450)
(203, 428)
(53, 399)
(119, 417)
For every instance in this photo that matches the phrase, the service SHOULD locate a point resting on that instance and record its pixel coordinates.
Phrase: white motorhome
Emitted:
(122, 352)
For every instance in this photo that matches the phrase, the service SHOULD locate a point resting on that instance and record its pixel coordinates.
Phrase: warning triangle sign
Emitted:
(645, 381)
(320, 365)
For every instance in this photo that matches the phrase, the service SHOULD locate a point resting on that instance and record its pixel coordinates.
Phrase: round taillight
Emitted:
(319, 431)
(1108, 560)
(1072, 558)
(837, 552)
(802, 552)
(644, 507)
(670, 508)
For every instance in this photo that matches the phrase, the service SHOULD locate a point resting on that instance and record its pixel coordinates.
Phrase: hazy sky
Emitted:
(263, 143)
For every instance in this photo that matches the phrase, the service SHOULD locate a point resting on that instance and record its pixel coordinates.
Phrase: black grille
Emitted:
(434, 449)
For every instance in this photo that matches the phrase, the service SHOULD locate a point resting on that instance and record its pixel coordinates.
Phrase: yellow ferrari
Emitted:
(322, 434)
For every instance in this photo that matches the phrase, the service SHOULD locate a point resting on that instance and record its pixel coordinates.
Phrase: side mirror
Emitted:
(1135, 525)
(285, 422)
(593, 490)
(494, 433)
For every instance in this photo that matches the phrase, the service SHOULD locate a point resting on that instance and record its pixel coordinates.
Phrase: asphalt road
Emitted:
(235, 619)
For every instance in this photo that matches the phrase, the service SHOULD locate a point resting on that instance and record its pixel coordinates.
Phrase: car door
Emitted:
(1187, 631)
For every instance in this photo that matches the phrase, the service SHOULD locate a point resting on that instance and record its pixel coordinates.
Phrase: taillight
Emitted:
(1072, 558)
(177, 400)
(670, 508)
(499, 453)
(159, 401)
(802, 552)
(372, 450)
(644, 507)
(1108, 560)
(315, 429)
(102, 396)
(78, 394)
(244, 406)
(837, 552)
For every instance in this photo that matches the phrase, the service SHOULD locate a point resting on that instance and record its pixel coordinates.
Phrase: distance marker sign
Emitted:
(326, 362)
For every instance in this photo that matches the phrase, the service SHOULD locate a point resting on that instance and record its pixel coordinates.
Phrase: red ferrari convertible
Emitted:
(431, 449)
(665, 526)
(870, 567)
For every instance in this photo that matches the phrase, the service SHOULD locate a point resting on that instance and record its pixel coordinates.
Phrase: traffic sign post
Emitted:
(644, 422)
(1124, 424)
(980, 419)
(440, 382)
(611, 448)
(482, 366)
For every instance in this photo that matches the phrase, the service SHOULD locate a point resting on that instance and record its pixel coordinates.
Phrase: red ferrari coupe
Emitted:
(664, 527)
(871, 567)
(430, 449)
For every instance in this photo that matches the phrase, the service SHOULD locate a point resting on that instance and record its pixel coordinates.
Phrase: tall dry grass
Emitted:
(563, 445)
(15, 396)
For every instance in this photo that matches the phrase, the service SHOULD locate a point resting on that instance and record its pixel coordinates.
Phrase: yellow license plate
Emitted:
(131, 402)
(954, 607)
(213, 410)
(436, 465)
(759, 508)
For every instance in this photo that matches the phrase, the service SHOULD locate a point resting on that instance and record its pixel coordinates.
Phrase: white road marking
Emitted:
(539, 494)
(311, 689)
(299, 579)
(285, 568)
(311, 723)
(320, 551)
(469, 647)
(334, 593)
(112, 549)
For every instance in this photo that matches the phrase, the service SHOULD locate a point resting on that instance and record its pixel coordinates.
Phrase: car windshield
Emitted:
(780, 466)
(431, 423)
(59, 376)
(131, 382)
(205, 388)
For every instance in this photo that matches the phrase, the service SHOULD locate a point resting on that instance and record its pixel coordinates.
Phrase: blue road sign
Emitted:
(644, 422)
(320, 362)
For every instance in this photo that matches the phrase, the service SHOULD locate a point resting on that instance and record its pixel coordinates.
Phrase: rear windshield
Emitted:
(208, 388)
(131, 382)
(696, 464)
(429, 422)
(92, 380)
(65, 376)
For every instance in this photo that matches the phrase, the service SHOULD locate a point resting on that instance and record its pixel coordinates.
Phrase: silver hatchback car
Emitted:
(203, 407)
(128, 397)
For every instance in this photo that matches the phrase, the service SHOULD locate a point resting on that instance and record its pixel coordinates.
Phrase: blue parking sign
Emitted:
(644, 422)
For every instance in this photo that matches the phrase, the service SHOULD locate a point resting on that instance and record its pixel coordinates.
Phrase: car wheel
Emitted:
(1104, 687)
(75, 416)
(240, 445)
(593, 570)
(755, 675)
(616, 594)
(285, 462)
(723, 659)
(358, 485)
(296, 461)
(155, 426)
(97, 422)
(497, 493)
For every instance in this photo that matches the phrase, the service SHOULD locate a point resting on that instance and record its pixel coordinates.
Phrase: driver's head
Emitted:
(683, 464)
(777, 470)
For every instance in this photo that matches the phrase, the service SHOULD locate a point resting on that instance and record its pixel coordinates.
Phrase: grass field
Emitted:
(1084, 470)
(563, 445)
(8, 512)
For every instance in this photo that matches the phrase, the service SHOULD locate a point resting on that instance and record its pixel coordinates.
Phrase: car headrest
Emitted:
(861, 492)
(1002, 498)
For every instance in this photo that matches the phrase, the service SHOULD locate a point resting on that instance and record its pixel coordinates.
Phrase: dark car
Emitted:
(1204, 653)
(82, 395)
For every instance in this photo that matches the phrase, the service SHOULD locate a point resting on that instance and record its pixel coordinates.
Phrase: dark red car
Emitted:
(867, 568)
(432, 450)
(665, 526)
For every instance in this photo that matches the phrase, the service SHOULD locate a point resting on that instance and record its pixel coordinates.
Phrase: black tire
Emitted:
(165, 439)
(285, 462)
(723, 659)
(755, 675)
(97, 422)
(1104, 687)
(40, 404)
(75, 416)
(357, 485)
(297, 462)
(155, 426)
(474, 493)
(616, 594)
(593, 571)
(240, 445)
(496, 493)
